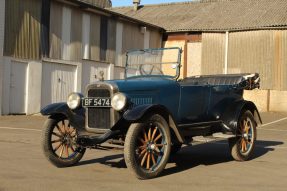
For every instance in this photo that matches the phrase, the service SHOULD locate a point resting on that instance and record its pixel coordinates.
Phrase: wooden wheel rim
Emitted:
(246, 134)
(63, 140)
(150, 147)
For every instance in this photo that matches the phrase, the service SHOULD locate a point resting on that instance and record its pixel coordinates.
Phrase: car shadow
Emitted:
(191, 156)
(116, 161)
(211, 154)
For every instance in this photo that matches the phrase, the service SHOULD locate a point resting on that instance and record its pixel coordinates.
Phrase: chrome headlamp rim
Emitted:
(74, 100)
(119, 101)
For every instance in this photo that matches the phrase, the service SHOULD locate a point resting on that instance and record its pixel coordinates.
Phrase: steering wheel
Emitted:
(144, 72)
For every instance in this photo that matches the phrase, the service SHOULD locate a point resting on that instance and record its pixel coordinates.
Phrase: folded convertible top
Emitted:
(245, 81)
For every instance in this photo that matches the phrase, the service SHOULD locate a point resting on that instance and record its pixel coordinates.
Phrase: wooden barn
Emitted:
(227, 36)
(49, 48)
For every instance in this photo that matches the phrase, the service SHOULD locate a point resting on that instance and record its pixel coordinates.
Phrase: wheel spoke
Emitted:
(56, 134)
(58, 147)
(69, 128)
(143, 152)
(157, 149)
(153, 160)
(142, 147)
(56, 141)
(72, 148)
(141, 140)
(157, 138)
(153, 134)
(148, 161)
(149, 134)
(67, 151)
(59, 129)
(243, 145)
(143, 159)
(145, 136)
(62, 150)
(71, 132)
(159, 145)
(64, 126)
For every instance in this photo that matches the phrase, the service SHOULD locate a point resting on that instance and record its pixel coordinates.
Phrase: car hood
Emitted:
(144, 84)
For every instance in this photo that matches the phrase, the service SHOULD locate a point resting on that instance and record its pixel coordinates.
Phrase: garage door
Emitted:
(18, 81)
(58, 81)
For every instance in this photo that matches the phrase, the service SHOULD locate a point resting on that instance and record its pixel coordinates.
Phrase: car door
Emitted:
(194, 100)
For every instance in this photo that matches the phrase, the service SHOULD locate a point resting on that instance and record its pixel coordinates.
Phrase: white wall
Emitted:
(6, 85)
(83, 74)
(33, 100)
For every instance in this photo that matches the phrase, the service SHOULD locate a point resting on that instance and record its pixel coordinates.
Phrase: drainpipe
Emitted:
(226, 52)
(136, 4)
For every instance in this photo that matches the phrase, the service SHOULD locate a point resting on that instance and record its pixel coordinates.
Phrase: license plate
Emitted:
(96, 102)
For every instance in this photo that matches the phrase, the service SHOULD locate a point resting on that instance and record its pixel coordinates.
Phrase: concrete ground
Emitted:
(203, 167)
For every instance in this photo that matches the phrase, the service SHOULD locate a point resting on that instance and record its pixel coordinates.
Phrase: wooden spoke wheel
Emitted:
(147, 147)
(59, 143)
(243, 145)
(150, 147)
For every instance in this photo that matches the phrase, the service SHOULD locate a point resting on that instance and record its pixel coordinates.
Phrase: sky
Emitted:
(117, 3)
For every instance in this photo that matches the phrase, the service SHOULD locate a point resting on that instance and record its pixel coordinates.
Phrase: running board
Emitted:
(209, 139)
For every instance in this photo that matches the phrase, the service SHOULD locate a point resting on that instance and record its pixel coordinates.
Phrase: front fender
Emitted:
(59, 108)
(75, 117)
(138, 112)
(231, 115)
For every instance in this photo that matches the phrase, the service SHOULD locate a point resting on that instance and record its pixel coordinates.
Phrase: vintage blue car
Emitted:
(153, 113)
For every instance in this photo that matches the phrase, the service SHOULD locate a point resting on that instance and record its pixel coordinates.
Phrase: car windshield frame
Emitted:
(177, 63)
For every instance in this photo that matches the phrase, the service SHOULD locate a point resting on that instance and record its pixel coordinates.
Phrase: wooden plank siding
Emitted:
(111, 49)
(132, 39)
(282, 55)
(262, 51)
(155, 39)
(253, 51)
(76, 52)
(56, 30)
(213, 47)
(63, 31)
(22, 29)
(95, 37)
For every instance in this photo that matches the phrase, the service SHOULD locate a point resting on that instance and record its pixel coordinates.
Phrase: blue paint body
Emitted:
(187, 103)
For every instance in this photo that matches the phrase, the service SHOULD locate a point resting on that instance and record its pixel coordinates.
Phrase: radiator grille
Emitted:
(99, 117)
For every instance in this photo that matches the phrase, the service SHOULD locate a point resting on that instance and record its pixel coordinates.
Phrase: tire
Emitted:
(147, 147)
(57, 139)
(242, 146)
(175, 148)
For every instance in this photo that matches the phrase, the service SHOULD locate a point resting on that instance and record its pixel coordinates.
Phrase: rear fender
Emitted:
(61, 110)
(232, 114)
(137, 113)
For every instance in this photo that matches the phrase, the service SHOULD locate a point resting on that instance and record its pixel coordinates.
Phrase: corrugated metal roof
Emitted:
(86, 5)
(98, 3)
(212, 15)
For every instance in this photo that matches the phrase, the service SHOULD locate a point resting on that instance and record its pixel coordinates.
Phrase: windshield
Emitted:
(153, 62)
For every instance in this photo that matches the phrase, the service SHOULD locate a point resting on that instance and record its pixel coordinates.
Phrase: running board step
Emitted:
(209, 139)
